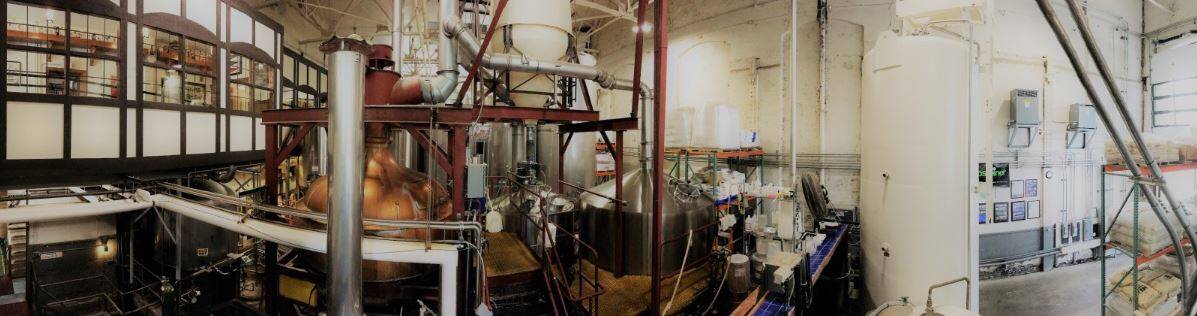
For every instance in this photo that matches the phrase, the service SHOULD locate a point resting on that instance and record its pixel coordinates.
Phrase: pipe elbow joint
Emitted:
(437, 89)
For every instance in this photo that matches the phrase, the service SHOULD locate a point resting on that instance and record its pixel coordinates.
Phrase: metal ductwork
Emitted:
(509, 62)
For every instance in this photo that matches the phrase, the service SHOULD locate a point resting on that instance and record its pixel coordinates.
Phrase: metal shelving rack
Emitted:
(1133, 199)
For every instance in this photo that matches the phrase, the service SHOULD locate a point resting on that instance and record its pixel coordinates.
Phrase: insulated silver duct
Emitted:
(347, 137)
(510, 62)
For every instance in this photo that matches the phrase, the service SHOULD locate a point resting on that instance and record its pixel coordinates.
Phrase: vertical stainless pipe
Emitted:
(1049, 14)
(347, 140)
(397, 24)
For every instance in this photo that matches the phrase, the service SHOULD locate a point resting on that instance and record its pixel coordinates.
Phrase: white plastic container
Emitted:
(540, 31)
(915, 167)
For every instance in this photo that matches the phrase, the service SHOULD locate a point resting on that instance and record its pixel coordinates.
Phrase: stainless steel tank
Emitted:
(579, 157)
(499, 148)
(679, 217)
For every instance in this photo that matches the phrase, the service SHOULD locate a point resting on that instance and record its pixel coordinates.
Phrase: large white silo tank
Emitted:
(539, 30)
(915, 168)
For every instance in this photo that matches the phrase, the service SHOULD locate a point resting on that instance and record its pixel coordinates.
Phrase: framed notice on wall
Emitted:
(1016, 189)
(1032, 190)
(1033, 209)
(1018, 211)
(1001, 212)
(981, 215)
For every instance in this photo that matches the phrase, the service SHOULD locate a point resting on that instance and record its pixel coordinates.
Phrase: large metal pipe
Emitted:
(1049, 13)
(510, 62)
(370, 248)
(347, 134)
(397, 54)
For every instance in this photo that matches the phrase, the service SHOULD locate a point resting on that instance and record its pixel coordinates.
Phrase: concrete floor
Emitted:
(1066, 291)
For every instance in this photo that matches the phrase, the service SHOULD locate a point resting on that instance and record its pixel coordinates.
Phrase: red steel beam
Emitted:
(490, 33)
(422, 138)
(425, 114)
(619, 242)
(296, 138)
(660, 71)
(619, 124)
(270, 171)
(457, 157)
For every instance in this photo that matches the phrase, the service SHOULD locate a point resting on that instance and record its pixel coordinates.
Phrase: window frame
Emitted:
(184, 69)
(1157, 99)
(68, 53)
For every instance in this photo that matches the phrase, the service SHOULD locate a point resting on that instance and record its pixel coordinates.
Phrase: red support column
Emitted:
(457, 157)
(270, 171)
(270, 165)
(617, 153)
(661, 60)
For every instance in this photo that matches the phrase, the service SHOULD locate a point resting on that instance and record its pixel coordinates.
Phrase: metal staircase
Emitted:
(18, 254)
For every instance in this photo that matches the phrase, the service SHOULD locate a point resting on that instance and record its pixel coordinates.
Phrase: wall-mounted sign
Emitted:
(50, 255)
(1032, 188)
(1033, 209)
(1001, 174)
(1018, 211)
(1001, 212)
(1016, 189)
(981, 217)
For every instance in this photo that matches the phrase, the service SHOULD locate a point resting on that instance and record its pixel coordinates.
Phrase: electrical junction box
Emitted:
(1024, 107)
(475, 180)
(1082, 116)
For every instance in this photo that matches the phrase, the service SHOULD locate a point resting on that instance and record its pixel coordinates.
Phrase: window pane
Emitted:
(263, 74)
(161, 85)
(200, 56)
(289, 68)
(34, 72)
(36, 26)
(240, 97)
(239, 68)
(160, 47)
(303, 75)
(94, 77)
(306, 100)
(263, 100)
(288, 97)
(199, 90)
(94, 35)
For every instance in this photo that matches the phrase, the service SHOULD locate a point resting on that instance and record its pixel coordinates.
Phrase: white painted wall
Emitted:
(1020, 53)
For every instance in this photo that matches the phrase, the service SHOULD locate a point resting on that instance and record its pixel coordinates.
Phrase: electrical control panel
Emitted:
(1082, 116)
(1024, 107)
(475, 180)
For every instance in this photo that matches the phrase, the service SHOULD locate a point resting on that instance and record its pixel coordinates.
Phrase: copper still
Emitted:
(392, 192)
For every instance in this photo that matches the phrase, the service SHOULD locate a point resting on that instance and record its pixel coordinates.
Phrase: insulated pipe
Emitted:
(347, 134)
(376, 249)
(1049, 14)
(370, 248)
(50, 212)
(397, 35)
(1082, 21)
(438, 89)
(794, 92)
(510, 62)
